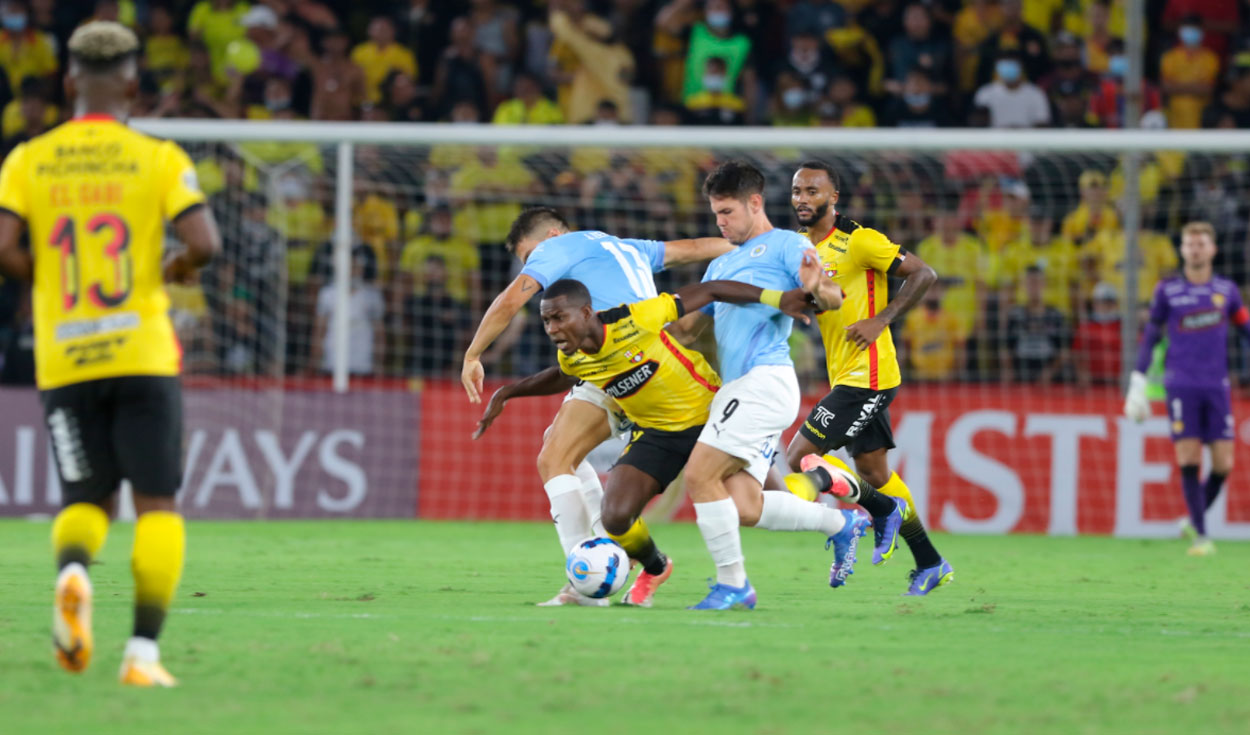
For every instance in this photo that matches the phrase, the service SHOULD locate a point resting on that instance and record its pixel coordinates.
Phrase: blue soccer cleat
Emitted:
(725, 597)
(924, 581)
(844, 543)
(885, 532)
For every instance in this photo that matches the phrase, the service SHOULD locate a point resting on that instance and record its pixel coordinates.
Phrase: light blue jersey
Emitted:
(748, 335)
(616, 271)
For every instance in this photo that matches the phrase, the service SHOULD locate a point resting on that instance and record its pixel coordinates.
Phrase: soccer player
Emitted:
(94, 197)
(1195, 308)
(666, 390)
(617, 271)
(760, 396)
(863, 372)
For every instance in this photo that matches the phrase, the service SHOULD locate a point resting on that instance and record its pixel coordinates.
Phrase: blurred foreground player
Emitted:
(1195, 309)
(94, 197)
(863, 373)
(617, 271)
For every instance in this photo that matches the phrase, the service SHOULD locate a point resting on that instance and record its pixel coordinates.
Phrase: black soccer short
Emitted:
(107, 430)
(855, 418)
(660, 454)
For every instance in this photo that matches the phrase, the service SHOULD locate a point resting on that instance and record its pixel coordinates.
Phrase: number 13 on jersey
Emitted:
(115, 246)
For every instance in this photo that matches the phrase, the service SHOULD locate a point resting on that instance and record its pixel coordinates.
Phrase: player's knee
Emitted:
(875, 476)
(618, 516)
(552, 462)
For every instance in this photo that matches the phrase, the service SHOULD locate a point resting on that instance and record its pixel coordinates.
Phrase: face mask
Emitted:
(1191, 36)
(793, 98)
(714, 82)
(278, 105)
(1117, 66)
(720, 21)
(15, 23)
(917, 99)
(1008, 70)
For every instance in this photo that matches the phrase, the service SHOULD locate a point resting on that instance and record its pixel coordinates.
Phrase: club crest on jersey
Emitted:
(831, 272)
(758, 250)
(635, 357)
(1218, 300)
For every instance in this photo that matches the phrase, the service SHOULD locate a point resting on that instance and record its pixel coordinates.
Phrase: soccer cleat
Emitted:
(138, 672)
(844, 482)
(924, 581)
(885, 532)
(725, 597)
(1187, 529)
(844, 543)
(569, 596)
(1202, 547)
(641, 592)
(71, 618)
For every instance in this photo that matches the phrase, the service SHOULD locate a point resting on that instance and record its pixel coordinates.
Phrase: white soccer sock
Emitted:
(592, 494)
(568, 510)
(718, 522)
(784, 511)
(144, 649)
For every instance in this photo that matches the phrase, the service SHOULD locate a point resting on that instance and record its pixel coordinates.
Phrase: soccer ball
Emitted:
(597, 567)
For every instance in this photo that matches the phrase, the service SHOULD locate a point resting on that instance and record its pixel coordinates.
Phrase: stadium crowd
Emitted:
(1030, 248)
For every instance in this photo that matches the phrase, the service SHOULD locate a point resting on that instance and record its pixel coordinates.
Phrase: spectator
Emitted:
(713, 36)
(1015, 35)
(607, 113)
(601, 70)
(1096, 346)
(792, 102)
(1188, 72)
(1044, 15)
(1068, 66)
(201, 92)
(1003, 224)
(933, 339)
(915, 107)
(165, 53)
(959, 258)
(1217, 19)
(919, 47)
(973, 25)
(1012, 101)
(424, 28)
(842, 106)
(216, 23)
(810, 61)
(1035, 344)
(402, 102)
(1106, 106)
(436, 321)
(376, 219)
(1056, 255)
(1232, 109)
(1093, 215)
(380, 55)
(715, 103)
(814, 16)
(29, 115)
(462, 75)
(261, 28)
(1072, 106)
(528, 106)
(1098, 36)
(495, 34)
(339, 86)
(24, 51)
(458, 258)
(366, 310)
(859, 56)
(1105, 259)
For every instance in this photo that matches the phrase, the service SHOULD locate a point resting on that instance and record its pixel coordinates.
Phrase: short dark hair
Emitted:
(816, 164)
(529, 221)
(575, 291)
(734, 178)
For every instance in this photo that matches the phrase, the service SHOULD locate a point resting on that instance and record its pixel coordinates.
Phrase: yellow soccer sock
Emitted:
(638, 543)
(156, 562)
(78, 533)
(896, 488)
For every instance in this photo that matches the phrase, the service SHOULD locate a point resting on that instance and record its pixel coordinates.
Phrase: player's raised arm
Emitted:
(793, 302)
(919, 276)
(494, 321)
(696, 250)
(546, 383)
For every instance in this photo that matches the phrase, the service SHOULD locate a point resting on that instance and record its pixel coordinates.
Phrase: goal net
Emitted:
(1009, 418)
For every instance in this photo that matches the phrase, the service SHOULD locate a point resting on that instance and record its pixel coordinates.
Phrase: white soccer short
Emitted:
(748, 415)
(618, 422)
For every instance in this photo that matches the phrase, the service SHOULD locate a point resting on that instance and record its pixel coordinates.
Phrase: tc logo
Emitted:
(823, 416)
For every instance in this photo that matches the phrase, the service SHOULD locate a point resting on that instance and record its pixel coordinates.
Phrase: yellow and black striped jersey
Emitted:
(858, 259)
(658, 383)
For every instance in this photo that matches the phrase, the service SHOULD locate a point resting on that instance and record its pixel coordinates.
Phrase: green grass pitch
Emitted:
(421, 627)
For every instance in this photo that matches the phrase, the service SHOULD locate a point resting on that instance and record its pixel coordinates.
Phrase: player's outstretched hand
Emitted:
(494, 407)
(471, 377)
(865, 332)
(1136, 404)
(795, 303)
(810, 272)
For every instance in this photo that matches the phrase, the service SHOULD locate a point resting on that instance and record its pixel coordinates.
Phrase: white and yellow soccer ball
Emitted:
(597, 567)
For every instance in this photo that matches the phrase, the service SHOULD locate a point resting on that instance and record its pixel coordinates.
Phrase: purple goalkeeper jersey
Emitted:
(1196, 316)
